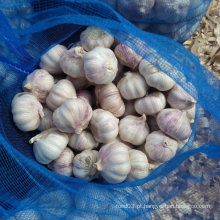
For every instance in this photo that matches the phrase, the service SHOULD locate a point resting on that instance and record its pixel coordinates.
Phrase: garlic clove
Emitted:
(46, 121)
(85, 94)
(79, 83)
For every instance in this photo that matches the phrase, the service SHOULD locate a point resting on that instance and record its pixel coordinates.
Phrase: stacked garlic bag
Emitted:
(97, 115)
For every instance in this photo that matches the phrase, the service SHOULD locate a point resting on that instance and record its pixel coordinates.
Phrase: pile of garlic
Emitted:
(102, 110)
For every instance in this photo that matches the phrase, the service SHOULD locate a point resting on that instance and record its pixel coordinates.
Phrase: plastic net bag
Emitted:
(31, 191)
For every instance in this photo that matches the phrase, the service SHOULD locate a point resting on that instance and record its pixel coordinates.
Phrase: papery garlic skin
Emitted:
(79, 83)
(150, 104)
(190, 113)
(72, 62)
(60, 92)
(133, 129)
(84, 165)
(114, 162)
(27, 111)
(93, 37)
(127, 56)
(82, 141)
(39, 83)
(85, 94)
(109, 98)
(46, 122)
(174, 123)
(159, 147)
(48, 145)
(129, 108)
(132, 86)
(50, 61)
(100, 65)
(154, 77)
(104, 126)
(139, 165)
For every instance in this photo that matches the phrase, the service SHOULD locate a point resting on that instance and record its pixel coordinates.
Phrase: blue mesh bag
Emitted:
(29, 190)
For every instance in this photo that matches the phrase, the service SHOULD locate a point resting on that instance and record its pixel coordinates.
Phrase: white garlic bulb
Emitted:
(39, 83)
(73, 115)
(150, 104)
(85, 94)
(48, 145)
(79, 83)
(93, 37)
(154, 77)
(180, 99)
(46, 122)
(84, 165)
(127, 56)
(50, 61)
(72, 62)
(113, 162)
(132, 86)
(109, 98)
(190, 113)
(82, 141)
(152, 123)
(139, 165)
(64, 163)
(133, 129)
(160, 147)
(100, 65)
(27, 111)
(104, 126)
(129, 108)
(60, 92)
(174, 123)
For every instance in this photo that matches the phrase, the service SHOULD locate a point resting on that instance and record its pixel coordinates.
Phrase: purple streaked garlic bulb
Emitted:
(100, 65)
(79, 83)
(152, 123)
(46, 121)
(109, 98)
(174, 123)
(50, 61)
(129, 108)
(39, 83)
(190, 113)
(85, 94)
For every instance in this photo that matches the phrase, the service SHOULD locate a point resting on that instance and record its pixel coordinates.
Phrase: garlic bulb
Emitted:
(79, 83)
(84, 165)
(100, 65)
(83, 141)
(132, 86)
(85, 94)
(104, 126)
(114, 162)
(152, 123)
(48, 145)
(160, 147)
(64, 163)
(60, 92)
(72, 62)
(50, 61)
(109, 98)
(127, 56)
(46, 121)
(39, 83)
(190, 113)
(154, 77)
(129, 108)
(27, 111)
(139, 165)
(174, 123)
(133, 129)
(179, 99)
(95, 37)
(73, 115)
(150, 104)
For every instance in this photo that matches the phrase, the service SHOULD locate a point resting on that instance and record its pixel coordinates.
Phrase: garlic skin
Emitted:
(139, 165)
(152, 123)
(100, 65)
(114, 162)
(93, 37)
(73, 115)
(72, 62)
(104, 126)
(133, 129)
(39, 83)
(180, 99)
(64, 163)
(85, 94)
(190, 113)
(129, 108)
(79, 83)
(132, 86)
(50, 61)
(60, 92)
(84, 165)
(154, 77)
(46, 121)
(150, 104)
(82, 141)
(27, 111)
(48, 145)
(174, 123)
(109, 98)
